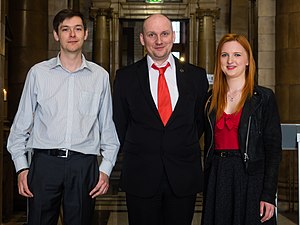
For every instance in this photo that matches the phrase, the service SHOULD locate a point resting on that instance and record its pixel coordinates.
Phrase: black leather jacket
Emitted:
(259, 136)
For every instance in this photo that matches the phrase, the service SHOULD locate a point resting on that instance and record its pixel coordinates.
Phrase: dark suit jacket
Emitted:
(148, 146)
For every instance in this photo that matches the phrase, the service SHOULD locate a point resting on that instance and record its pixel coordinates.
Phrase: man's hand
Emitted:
(102, 185)
(266, 211)
(23, 185)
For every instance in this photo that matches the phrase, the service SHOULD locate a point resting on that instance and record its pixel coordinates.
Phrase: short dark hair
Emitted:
(66, 14)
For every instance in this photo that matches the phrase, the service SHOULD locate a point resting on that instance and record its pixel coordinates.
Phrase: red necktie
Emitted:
(163, 95)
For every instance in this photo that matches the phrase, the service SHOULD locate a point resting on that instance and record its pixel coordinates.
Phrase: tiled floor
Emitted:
(111, 210)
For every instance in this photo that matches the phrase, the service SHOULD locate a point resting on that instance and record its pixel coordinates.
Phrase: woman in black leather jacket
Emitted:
(242, 141)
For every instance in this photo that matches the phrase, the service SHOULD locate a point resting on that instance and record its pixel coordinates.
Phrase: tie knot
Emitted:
(161, 69)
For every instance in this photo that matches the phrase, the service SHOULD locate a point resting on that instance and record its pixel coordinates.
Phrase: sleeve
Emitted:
(23, 123)
(272, 139)
(109, 143)
(120, 107)
(199, 107)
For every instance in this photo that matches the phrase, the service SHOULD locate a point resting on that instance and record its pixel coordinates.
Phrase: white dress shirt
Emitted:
(170, 75)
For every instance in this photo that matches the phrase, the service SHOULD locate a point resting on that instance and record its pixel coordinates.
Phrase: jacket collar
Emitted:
(249, 108)
(251, 105)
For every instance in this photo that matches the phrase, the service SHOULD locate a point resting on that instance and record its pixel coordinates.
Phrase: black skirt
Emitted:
(232, 197)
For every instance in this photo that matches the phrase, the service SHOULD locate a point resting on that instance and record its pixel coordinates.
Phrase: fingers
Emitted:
(99, 190)
(101, 187)
(23, 185)
(266, 211)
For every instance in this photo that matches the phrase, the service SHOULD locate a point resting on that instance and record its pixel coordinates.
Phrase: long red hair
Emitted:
(220, 86)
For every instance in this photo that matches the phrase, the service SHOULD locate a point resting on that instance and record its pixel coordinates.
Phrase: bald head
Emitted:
(158, 37)
(157, 19)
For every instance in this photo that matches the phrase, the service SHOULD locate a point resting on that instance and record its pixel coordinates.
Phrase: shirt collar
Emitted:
(170, 60)
(57, 63)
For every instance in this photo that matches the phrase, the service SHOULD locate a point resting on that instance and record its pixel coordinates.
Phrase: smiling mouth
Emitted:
(230, 67)
(159, 48)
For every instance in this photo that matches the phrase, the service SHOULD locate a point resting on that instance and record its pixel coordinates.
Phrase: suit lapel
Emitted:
(142, 71)
(181, 86)
(143, 76)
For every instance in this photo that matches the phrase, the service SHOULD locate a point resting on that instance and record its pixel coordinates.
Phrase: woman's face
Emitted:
(234, 59)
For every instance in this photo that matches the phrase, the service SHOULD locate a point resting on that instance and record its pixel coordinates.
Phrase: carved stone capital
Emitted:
(95, 12)
(205, 15)
(215, 13)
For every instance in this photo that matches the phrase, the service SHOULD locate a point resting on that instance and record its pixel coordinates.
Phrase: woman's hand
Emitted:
(266, 211)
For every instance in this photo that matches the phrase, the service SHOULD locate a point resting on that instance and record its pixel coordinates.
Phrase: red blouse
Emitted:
(226, 131)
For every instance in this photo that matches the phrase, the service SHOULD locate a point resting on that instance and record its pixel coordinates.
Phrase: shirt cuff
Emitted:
(21, 170)
(106, 167)
(21, 163)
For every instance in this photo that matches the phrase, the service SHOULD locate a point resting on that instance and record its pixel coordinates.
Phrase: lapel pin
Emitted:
(181, 70)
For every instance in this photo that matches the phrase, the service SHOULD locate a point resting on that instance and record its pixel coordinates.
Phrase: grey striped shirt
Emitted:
(62, 109)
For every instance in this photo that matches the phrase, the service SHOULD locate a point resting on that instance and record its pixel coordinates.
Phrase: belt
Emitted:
(224, 154)
(58, 152)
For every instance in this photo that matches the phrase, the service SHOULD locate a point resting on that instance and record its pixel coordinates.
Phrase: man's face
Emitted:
(71, 35)
(158, 38)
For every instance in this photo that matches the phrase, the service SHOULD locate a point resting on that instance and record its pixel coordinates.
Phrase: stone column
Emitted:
(193, 56)
(74, 4)
(207, 38)
(239, 21)
(29, 23)
(287, 57)
(101, 50)
(287, 90)
(264, 39)
(115, 45)
(28, 20)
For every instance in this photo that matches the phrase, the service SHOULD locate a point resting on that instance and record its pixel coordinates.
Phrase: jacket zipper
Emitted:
(246, 157)
(212, 135)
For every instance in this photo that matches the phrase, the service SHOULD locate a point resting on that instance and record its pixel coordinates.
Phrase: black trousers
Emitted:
(164, 208)
(56, 181)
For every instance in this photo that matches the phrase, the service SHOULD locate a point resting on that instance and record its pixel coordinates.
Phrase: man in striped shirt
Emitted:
(65, 119)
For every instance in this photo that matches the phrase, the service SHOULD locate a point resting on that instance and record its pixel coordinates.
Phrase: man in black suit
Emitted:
(162, 171)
